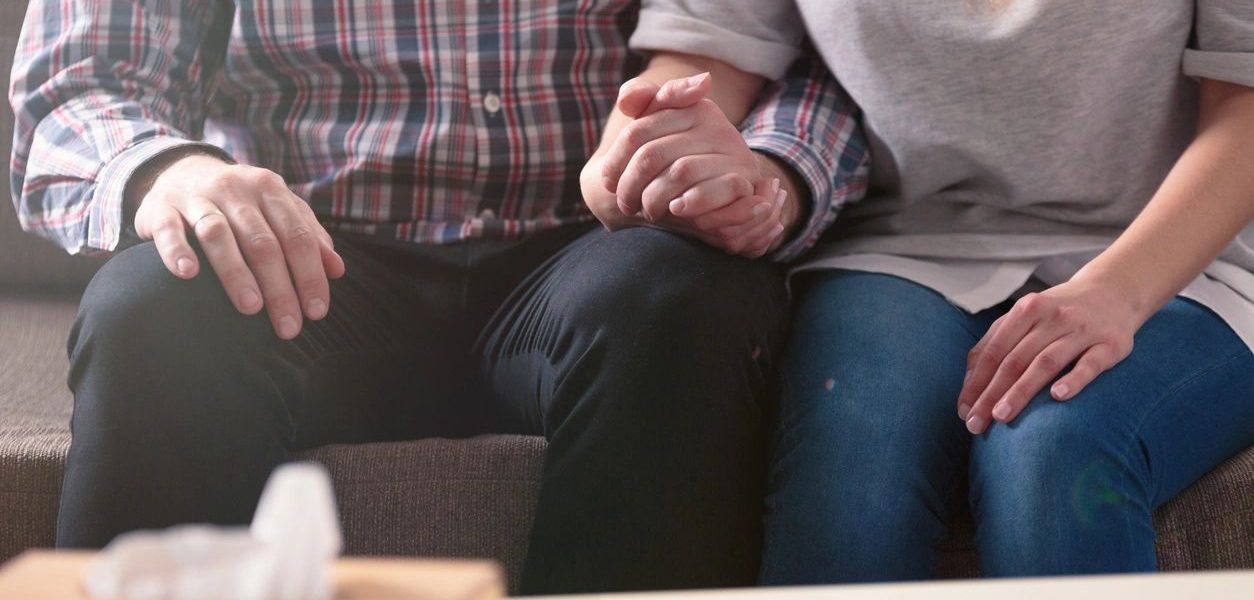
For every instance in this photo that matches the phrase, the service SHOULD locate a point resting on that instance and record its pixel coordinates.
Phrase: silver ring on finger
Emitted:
(206, 216)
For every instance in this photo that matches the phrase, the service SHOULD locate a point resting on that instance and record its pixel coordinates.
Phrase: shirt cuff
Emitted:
(106, 213)
(815, 166)
(1232, 67)
(659, 30)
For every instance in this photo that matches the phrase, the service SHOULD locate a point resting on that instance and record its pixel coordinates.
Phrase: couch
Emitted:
(455, 498)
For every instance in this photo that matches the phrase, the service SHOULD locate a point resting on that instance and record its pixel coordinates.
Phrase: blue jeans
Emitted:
(870, 458)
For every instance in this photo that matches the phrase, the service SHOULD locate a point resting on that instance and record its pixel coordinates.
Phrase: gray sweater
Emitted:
(1007, 144)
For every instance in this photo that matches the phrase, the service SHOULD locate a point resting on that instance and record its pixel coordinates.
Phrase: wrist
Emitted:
(1129, 293)
(172, 164)
(796, 206)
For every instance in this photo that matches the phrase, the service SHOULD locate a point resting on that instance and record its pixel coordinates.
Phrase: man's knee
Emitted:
(651, 284)
(136, 302)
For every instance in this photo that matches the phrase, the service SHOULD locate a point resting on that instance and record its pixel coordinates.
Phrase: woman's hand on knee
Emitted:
(1081, 327)
(263, 242)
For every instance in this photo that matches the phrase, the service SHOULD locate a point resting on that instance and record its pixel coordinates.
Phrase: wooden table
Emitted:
(45, 575)
(1213, 585)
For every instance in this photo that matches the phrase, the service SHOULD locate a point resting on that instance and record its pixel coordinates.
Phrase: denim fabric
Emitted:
(870, 458)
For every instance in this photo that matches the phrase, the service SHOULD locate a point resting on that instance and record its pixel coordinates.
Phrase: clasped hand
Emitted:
(681, 165)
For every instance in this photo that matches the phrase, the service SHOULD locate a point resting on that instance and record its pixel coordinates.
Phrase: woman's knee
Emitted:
(1059, 461)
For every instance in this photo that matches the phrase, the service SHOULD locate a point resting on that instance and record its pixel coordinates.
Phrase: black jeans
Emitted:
(642, 356)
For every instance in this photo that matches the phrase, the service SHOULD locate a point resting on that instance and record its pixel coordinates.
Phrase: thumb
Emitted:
(681, 93)
(635, 95)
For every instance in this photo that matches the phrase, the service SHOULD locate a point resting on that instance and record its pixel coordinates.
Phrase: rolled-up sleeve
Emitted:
(806, 121)
(1224, 46)
(758, 36)
(100, 89)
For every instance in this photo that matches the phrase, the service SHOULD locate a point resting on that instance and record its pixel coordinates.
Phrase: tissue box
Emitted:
(42, 575)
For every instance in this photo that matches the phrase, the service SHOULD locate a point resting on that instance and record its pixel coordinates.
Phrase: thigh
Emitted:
(868, 452)
(1177, 406)
(370, 370)
(873, 370)
(641, 294)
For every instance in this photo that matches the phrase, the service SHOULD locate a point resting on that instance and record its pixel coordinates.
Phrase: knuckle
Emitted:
(311, 285)
(233, 276)
(300, 235)
(647, 159)
(167, 223)
(212, 230)
(262, 245)
(1029, 305)
(633, 135)
(1049, 361)
(1068, 316)
(991, 351)
(684, 170)
(1015, 364)
(263, 178)
(974, 353)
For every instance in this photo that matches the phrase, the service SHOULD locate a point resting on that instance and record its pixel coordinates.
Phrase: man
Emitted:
(387, 193)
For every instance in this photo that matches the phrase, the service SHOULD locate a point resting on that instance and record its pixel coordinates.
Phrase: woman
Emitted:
(1047, 291)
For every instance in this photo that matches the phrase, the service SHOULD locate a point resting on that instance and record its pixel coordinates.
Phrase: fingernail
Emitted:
(317, 308)
(1061, 391)
(963, 409)
(696, 80)
(777, 229)
(248, 299)
(1001, 411)
(184, 266)
(775, 183)
(678, 205)
(976, 425)
(288, 328)
(781, 196)
(762, 209)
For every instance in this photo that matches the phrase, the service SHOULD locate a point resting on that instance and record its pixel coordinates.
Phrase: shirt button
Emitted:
(492, 103)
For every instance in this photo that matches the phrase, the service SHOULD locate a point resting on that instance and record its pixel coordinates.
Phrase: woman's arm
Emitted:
(1202, 205)
(1206, 200)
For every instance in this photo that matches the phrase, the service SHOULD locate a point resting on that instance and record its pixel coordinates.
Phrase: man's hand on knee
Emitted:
(263, 241)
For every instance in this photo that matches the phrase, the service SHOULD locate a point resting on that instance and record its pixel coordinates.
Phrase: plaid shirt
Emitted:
(430, 121)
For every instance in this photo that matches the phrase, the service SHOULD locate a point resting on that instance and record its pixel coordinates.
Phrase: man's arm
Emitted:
(100, 88)
(110, 97)
(806, 127)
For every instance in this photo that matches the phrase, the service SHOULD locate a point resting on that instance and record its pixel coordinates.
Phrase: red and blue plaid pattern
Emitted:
(429, 121)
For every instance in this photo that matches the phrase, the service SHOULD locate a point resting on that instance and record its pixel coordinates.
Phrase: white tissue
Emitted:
(285, 555)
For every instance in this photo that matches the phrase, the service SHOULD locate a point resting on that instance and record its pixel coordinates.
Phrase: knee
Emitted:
(651, 284)
(135, 312)
(1057, 459)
